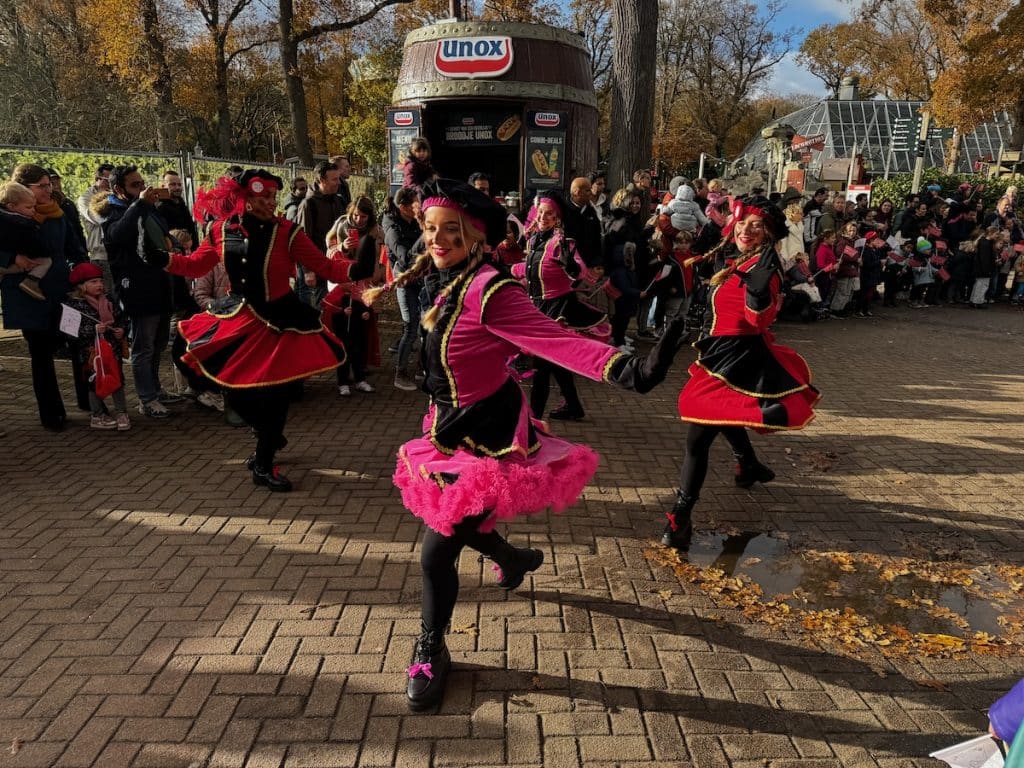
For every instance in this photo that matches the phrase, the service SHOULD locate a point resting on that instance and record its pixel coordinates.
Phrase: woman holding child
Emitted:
(36, 283)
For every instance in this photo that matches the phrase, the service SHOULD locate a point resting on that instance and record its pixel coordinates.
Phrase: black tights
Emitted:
(439, 560)
(265, 409)
(541, 387)
(699, 438)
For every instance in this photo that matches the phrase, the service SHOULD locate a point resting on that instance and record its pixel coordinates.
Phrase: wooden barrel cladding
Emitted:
(548, 63)
(529, 68)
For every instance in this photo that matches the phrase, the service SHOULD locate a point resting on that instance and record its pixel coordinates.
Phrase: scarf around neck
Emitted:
(50, 210)
(104, 309)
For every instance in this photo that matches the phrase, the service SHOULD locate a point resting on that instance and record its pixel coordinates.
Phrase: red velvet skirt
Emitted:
(721, 393)
(241, 350)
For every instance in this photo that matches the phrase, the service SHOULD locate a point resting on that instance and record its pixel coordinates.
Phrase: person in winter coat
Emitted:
(316, 215)
(687, 215)
(417, 169)
(344, 308)
(37, 320)
(825, 263)
(872, 258)
(984, 266)
(624, 290)
(100, 317)
(401, 235)
(961, 271)
(793, 242)
(848, 272)
(132, 230)
(924, 274)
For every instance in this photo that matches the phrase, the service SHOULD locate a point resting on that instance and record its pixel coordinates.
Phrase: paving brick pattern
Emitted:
(156, 609)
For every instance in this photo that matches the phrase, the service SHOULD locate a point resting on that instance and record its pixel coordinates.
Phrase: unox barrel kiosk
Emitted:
(515, 101)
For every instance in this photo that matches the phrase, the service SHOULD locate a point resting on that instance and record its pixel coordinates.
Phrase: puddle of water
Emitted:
(814, 582)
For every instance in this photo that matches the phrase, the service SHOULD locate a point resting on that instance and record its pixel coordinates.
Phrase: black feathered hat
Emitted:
(248, 177)
(483, 212)
(774, 218)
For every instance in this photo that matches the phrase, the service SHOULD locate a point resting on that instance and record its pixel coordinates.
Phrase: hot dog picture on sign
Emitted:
(545, 150)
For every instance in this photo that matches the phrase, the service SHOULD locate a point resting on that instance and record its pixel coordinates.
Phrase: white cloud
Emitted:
(834, 10)
(790, 78)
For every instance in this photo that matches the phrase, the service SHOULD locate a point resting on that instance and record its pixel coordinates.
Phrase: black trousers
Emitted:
(541, 387)
(620, 322)
(41, 346)
(354, 333)
(265, 409)
(194, 380)
(699, 438)
(439, 560)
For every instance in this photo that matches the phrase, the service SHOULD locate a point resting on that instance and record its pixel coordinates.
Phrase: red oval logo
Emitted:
(403, 118)
(547, 119)
(467, 57)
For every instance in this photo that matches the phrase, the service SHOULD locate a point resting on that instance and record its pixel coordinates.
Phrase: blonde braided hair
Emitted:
(422, 265)
(742, 258)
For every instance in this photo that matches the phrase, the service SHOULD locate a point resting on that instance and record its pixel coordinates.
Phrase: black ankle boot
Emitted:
(513, 570)
(755, 472)
(679, 529)
(271, 478)
(565, 412)
(428, 674)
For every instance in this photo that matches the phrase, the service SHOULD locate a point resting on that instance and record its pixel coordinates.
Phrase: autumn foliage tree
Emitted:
(982, 42)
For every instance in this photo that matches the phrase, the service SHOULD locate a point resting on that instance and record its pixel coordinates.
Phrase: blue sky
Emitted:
(807, 14)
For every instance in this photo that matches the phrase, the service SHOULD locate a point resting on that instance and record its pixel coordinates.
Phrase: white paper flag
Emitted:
(70, 320)
(981, 752)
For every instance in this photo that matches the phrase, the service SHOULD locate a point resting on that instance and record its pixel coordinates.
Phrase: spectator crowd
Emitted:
(642, 255)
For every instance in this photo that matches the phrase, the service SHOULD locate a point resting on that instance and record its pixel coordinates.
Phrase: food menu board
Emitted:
(403, 126)
(481, 127)
(544, 151)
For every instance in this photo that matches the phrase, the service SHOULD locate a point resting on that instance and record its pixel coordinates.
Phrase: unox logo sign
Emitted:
(473, 56)
(547, 119)
(403, 119)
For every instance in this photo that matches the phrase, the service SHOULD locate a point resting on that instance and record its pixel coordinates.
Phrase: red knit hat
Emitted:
(85, 272)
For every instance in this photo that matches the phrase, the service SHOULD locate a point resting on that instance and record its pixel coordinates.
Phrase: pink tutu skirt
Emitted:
(443, 489)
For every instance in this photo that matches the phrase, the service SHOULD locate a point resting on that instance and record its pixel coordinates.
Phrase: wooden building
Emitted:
(515, 101)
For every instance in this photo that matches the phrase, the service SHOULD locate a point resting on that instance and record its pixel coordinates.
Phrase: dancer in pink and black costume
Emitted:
(482, 458)
(552, 270)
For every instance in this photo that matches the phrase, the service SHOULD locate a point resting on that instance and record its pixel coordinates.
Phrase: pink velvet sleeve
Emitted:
(510, 315)
(519, 270)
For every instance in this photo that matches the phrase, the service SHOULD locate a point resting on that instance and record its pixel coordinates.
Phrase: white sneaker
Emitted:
(154, 409)
(363, 386)
(103, 421)
(345, 390)
(211, 400)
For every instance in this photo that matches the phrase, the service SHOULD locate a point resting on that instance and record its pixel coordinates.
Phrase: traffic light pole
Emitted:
(922, 142)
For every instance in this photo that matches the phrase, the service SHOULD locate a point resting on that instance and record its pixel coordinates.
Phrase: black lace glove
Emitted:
(759, 277)
(642, 374)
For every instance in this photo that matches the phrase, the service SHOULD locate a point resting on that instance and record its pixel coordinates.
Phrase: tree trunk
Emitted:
(634, 25)
(1017, 114)
(221, 94)
(162, 84)
(293, 84)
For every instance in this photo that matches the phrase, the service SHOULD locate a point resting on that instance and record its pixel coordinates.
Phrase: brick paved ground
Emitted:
(156, 609)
